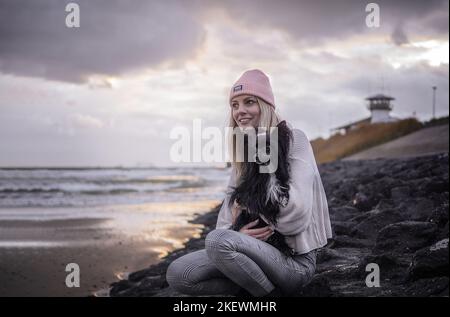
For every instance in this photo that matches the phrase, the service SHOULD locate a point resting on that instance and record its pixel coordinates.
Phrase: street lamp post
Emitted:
(434, 102)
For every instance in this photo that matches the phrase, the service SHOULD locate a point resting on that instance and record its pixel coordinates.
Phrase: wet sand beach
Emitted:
(34, 253)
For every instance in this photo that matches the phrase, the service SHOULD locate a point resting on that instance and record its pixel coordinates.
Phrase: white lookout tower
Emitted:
(380, 106)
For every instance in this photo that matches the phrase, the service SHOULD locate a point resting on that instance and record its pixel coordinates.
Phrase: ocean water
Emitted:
(73, 207)
(101, 187)
(109, 221)
(137, 203)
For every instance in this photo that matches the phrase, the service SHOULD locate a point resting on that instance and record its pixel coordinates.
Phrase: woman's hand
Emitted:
(259, 233)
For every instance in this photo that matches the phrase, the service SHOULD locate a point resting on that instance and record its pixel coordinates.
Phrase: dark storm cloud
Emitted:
(114, 37)
(121, 36)
(311, 21)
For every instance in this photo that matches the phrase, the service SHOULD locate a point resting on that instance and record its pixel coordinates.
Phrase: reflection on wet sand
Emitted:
(33, 254)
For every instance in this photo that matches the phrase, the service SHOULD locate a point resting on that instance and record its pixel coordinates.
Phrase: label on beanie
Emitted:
(237, 88)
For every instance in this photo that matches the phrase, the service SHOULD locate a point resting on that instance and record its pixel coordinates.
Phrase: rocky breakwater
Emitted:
(388, 212)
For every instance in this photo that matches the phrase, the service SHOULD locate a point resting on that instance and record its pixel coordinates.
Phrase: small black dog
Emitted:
(276, 239)
(264, 193)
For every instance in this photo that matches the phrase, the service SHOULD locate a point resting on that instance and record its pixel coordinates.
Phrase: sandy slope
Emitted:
(426, 141)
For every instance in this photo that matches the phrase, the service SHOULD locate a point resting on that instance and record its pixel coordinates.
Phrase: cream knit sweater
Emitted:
(304, 220)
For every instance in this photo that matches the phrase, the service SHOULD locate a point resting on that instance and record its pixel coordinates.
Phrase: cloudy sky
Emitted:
(109, 92)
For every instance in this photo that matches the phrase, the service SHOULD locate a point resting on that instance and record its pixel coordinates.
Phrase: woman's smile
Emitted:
(244, 120)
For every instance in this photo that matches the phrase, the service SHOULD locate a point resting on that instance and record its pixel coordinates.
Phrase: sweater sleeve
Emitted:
(296, 216)
(224, 217)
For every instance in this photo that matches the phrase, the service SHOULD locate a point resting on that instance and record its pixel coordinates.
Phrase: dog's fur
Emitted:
(263, 193)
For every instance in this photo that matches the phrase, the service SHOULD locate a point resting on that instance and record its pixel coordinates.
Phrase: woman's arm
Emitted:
(296, 216)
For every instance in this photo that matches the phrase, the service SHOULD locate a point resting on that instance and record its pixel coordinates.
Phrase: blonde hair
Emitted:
(268, 118)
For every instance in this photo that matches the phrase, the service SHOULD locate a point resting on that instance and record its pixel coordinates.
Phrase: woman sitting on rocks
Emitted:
(271, 223)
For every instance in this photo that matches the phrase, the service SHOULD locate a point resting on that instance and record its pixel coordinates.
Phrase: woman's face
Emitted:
(245, 111)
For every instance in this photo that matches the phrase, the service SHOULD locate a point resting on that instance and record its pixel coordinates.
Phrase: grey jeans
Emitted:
(232, 260)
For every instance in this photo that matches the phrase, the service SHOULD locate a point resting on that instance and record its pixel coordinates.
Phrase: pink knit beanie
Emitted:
(253, 82)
